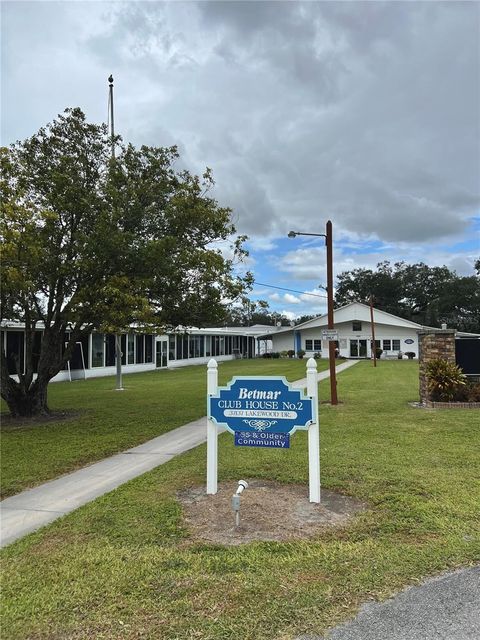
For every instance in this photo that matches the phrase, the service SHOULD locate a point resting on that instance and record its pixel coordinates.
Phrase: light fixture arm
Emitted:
(294, 234)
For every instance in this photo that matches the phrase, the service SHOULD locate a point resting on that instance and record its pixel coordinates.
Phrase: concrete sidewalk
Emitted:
(34, 508)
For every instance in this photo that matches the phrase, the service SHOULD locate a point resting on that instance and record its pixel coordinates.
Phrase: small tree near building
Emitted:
(94, 242)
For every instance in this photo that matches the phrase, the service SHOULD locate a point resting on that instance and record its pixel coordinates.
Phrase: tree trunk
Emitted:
(28, 397)
(26, 402)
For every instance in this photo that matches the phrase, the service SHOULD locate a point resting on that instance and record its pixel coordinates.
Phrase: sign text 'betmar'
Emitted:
(261, 412)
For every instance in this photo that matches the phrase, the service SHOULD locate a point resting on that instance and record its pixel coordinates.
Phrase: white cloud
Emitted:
(365, 113)
(289, 314)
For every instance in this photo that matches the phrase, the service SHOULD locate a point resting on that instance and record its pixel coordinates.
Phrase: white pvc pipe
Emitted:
(212, 431)
(313, 434)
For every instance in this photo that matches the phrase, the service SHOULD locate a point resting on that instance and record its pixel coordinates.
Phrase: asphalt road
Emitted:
(443, 608)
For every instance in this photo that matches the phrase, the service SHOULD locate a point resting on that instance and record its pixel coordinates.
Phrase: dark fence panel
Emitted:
(467, 355)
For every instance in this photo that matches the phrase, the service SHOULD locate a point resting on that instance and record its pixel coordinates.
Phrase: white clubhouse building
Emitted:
(354, 327)
(94, 355)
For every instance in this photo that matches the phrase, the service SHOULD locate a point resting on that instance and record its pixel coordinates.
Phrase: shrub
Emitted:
(290, 353)
(444, 379)
(410, 354)
(275, 355)
(317, 355)
(300, 353)
(470, 392)
(284, 354)
(378, 352)
(473, 391)
(267, 354)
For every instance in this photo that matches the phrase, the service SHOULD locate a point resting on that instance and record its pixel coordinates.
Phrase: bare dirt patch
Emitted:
(10, 423)
(269, 511)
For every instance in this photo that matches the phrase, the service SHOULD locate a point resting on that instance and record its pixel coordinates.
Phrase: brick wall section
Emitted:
(432, 344)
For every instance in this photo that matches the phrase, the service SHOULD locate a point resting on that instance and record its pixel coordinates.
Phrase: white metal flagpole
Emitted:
(212, 431)
(313, 434)
(118, 338)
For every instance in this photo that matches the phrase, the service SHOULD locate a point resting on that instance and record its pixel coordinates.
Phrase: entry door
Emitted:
(354, 348)
(358, 348)
(362, 348)
(161, 353)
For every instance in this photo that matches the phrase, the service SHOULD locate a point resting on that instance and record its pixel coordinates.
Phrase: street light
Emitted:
(331, 346)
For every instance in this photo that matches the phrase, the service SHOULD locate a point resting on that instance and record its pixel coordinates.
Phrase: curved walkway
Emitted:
(34, 508)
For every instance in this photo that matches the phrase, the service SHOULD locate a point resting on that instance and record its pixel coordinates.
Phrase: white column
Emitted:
(212, 431)
(313, 434)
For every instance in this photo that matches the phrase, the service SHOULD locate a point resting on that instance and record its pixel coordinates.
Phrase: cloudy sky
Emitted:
(365, 113)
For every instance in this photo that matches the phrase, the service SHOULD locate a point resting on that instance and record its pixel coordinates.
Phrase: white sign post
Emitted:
(313, 434)
(212, 431)
(266, 402)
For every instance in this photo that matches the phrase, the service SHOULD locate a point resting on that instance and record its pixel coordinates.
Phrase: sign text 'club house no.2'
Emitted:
(263, 412)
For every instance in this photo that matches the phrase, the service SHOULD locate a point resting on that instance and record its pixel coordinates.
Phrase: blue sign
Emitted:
(262, 439)
(409, 341)
(263, 406)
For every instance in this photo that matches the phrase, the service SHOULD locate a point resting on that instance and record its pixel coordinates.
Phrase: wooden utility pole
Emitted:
(118, 338)
(373, 332)
(331, 343)
(328, 235)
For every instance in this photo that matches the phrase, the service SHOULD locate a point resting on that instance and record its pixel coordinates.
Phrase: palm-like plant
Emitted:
(444, 379)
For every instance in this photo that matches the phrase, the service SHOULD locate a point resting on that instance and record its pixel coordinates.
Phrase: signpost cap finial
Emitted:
(311, 363)
(212, 364)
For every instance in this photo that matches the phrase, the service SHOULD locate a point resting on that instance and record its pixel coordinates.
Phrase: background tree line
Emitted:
(417, 292)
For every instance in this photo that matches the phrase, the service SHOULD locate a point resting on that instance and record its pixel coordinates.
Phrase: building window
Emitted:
(395, 345)
(308, 345)
(171, 347)
(140, 347)
(317, 345)
(182, 347)
(37, 346)
(110, 350)
(149, 348)
(208, 346)
(196, 347)
(180, 341)
(15, 351)
(98, 349)
(123, 347)
(387, 345)
(131, 348)
(356, 325)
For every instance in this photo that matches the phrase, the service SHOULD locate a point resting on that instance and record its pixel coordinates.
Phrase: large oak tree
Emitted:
(90, 241)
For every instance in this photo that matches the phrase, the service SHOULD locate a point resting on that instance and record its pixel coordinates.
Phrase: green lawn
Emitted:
(124, 566)
(110, 421)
